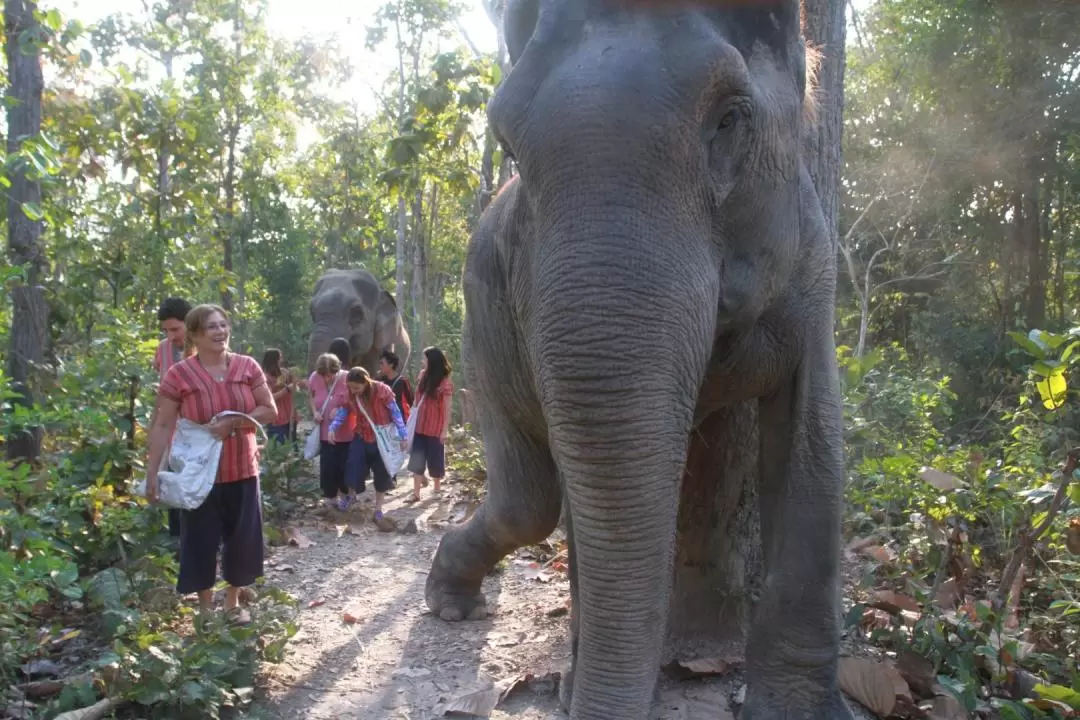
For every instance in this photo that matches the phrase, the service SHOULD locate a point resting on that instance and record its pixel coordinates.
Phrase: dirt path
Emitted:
(399, 662)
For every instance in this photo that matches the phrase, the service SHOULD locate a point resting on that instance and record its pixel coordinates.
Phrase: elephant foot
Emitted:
(566, 690)
(781, 708)
(452, 601)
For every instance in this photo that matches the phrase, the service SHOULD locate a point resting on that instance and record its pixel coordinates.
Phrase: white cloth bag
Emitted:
(393, 457)
(312, 445)
(189, 469)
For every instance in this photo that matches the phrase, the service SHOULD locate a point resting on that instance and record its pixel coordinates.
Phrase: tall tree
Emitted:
(30, 313)
(718, 566)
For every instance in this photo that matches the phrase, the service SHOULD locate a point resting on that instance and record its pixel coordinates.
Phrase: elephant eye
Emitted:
(729, 119)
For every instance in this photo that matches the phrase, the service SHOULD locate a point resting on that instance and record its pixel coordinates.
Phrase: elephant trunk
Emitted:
(324, 331)
(624, 326)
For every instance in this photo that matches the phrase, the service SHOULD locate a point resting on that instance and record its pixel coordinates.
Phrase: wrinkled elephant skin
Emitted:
(661, 256)
(350, 304)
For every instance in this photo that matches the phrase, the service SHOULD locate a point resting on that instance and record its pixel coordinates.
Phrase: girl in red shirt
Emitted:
(200, 388)
(281, 385)
(434, 391)
(378, 402)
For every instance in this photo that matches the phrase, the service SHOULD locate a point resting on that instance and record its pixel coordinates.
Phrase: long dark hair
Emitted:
(360, 376)
(272, 362)
(340, 347)
(438, 369)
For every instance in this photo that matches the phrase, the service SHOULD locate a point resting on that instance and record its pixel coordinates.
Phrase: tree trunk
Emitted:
(233, 131)
(30, 312)
(419, 280)
(718, 559)
(825, 28)
(718, 562)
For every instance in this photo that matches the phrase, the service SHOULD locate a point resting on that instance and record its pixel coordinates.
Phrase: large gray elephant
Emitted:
(350, 304)
(661, 258)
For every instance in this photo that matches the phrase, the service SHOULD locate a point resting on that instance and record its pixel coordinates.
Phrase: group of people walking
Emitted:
(200, 378)
(348, 405)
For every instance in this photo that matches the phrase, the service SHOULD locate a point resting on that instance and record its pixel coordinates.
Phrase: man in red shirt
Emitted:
(169, 352)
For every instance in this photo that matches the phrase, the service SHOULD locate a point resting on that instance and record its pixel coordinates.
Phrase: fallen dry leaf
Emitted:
(894, 602)
(1072, 536)
(349, 619)
(95, 712)
(298, 539)
(316, 603)
(943, 481)
(475, 702)
(705, 667)
(873, 684)
(546, 684)
(341, 530)
(877, 552)
(948, 595)
(918, 672)
(946, 707)
(858, 544)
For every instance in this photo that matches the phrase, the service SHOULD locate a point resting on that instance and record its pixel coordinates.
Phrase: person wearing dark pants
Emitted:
(373, 405)
(171, 350)
(390, 374)
(434, 390)
(230, 518)
(200, 389)
(328, 393)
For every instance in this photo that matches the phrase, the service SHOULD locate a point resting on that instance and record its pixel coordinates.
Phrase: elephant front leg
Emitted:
(794, 640)
(521, 508)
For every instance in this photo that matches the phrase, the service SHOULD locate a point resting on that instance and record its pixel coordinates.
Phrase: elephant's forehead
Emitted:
(344, 291)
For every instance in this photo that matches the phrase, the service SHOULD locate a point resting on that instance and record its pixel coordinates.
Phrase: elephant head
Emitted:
(350, 304)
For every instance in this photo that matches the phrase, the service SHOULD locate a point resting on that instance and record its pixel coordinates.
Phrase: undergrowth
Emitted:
(88, 607)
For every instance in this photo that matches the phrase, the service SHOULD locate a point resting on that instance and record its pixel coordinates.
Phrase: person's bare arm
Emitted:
(161, 432)
(448, 407)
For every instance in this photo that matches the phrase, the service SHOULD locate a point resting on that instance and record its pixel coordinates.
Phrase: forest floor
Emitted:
(369, 648)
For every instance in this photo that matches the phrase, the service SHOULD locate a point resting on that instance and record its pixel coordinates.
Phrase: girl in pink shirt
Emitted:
(329, 379)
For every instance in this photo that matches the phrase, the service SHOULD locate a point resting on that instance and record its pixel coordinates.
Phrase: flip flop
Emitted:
(411, 499)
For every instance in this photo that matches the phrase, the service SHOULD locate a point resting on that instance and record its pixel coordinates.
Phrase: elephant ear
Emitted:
(779, 25)
(387, 322)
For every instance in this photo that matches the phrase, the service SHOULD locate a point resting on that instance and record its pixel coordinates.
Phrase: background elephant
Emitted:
(350, 304)
(660, 260)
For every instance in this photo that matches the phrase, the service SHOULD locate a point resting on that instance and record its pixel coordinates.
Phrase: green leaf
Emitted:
(85, 58)
(1060, 693)
(33, 211)
(1028, 344)
(1053, 389)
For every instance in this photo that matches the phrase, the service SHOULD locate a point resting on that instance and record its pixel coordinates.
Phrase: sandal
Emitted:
(238, 616)
(411, 499)
(378, 516)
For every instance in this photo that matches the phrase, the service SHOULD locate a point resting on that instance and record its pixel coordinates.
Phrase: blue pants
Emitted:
(365, 457)
(229, 519)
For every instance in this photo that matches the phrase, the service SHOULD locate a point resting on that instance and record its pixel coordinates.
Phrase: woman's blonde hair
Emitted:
(328, 364)
(195, 321)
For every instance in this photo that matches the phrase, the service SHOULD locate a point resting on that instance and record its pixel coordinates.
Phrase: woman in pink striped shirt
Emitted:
(200, 388)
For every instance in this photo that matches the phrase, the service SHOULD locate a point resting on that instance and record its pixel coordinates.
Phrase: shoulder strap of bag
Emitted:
(330, 393)
(360, 407)
(256, 423)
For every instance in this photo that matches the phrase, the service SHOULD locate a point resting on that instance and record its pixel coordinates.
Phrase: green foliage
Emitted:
(965, 523)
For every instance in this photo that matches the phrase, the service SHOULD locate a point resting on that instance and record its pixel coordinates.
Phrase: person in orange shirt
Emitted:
(282, 385)
(434, 393)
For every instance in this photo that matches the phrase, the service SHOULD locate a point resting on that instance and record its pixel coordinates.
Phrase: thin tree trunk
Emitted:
(161, 246)
(825, 27)
(30, 312)
(233, 130)
(419, 284)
